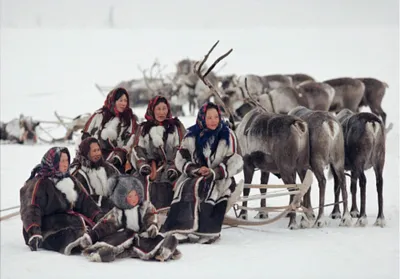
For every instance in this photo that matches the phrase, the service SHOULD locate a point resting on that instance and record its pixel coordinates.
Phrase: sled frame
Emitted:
(297, 190)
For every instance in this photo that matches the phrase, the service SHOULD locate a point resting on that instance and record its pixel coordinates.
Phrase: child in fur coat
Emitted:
(130, 229)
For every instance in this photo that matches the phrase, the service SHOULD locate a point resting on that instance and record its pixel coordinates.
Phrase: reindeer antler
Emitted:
(146, 80)
(253, 101)
(203, 77)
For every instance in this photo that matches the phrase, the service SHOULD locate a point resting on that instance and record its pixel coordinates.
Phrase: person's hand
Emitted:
(152, 231)
(145, 170)
(204, 171)
(172, 174)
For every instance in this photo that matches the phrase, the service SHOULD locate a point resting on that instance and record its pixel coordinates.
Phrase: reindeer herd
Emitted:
(291, 124)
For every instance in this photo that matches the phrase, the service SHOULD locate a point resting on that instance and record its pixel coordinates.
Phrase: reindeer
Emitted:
(326, 149)
(348, 93)
(19, 130)
(374, 93)
(313, 95)
(189, 87)
(299, 78)
(364, 135)
(273, 143)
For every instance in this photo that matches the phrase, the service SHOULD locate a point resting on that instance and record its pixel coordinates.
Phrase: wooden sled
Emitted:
(298, 190)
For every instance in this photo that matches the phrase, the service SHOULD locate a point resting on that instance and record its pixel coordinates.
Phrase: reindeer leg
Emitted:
(290, 179)
(307, 198)
(340, 184)
(353, 187)
(248, 170)
(362, 220)
(336, 189)
(264, 180)
(380, 221)
(319, 174)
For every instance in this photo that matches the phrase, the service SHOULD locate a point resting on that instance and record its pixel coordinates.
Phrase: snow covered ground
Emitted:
(43, 71)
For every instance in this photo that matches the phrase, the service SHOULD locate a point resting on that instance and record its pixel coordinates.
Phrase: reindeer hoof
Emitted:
(335, 215)
(321, 223)
(310, 216)
(305, 223)
(362, 221)
(261, 215)
(355, 214)
(380, 222)
(346, 221)
(293, 226)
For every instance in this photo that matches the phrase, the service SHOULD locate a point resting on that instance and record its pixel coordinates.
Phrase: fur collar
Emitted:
(110, 130)
(67, 187)
(98, 180)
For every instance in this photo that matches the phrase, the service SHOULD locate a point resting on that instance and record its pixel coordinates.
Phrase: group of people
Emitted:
(133, 190)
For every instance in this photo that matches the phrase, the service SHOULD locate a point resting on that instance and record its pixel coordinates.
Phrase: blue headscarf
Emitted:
(204, 136)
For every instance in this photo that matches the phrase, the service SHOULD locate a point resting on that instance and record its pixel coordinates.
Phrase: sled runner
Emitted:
(298, 190)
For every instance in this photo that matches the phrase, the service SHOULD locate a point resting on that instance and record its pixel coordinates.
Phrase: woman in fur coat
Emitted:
(156, 143)
(130, 229)
(93, 172)
(56, 210)
(208, 159)
(114, 126)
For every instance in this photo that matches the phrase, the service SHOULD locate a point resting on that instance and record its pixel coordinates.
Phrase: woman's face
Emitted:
(161, 112)
(212, 119)
(95, 152)
(132, 198)
(63, 165)
(121, 103)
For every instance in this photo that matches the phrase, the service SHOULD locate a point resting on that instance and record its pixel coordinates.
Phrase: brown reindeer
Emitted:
(19, 130)
(273, 143)
(348, 93)
(374, 93)
(300, 78)
(326, 149)
(364, 135)
(313, 95)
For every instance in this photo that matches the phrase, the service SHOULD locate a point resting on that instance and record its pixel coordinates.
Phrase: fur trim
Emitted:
(35, 236)
(234, 165)
(132, 219)
(72, 245)
(173, 139)
(156, 133)
(110, 129)
(67, 186)
(98, 180)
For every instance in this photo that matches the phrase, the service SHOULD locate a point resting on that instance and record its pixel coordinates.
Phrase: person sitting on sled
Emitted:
(114, 126)
(56, 211)
(156, 143)
(208, 159)
(93, 172)
(139, 237)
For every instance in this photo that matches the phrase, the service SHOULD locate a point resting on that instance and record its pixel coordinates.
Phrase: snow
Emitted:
(47, 70)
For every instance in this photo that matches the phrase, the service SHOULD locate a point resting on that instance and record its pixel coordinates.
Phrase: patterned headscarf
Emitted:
(152, 105)
(205, 136)
(49, 166)
(112, 98)
(169, 123)
(110, 111)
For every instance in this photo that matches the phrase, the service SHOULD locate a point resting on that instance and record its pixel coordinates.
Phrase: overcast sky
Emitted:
(197, 14)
